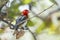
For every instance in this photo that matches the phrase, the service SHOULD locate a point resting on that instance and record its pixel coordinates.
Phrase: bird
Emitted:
(21, 18)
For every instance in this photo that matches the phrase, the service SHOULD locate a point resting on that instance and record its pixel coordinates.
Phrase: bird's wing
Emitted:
(20, 19)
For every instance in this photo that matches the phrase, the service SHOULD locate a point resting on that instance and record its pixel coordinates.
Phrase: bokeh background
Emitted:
(44, 19)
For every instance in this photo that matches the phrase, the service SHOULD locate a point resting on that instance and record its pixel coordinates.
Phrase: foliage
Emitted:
(26, 1)
(30, 23)
(40, 28)
(13, 10)
(2, 2)
(1, 31)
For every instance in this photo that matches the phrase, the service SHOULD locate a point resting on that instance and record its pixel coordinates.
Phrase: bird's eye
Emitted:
(58, 18)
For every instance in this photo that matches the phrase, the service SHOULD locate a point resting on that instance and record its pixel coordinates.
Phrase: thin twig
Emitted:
(32, 34)
(30, 8)
(7, 22)
(42, 11)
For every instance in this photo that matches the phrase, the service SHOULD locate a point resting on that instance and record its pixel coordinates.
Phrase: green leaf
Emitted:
(1, 31)
(30, 23)
(26, 1)
(40, 28)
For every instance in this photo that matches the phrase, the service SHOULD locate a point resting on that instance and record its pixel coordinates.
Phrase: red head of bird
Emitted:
(25, 12)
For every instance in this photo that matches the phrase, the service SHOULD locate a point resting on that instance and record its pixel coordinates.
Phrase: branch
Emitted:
(38, 16)
(30, 7)
(7, 22)
(31, 33)
(3, 4)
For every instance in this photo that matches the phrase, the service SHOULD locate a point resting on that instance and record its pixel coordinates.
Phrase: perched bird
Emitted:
(21, 24)
(21, 18)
